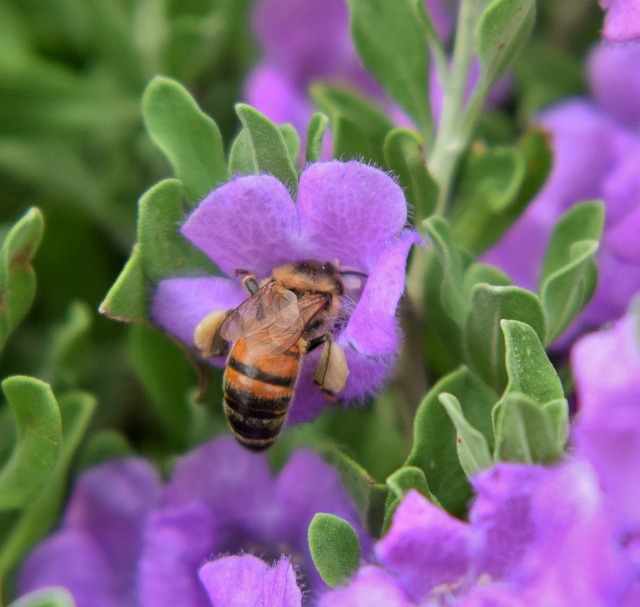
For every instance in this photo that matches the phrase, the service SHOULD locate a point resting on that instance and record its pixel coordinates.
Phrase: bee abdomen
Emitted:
(256, 400)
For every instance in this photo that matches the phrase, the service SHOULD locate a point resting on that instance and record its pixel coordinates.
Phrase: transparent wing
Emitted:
(272, 319)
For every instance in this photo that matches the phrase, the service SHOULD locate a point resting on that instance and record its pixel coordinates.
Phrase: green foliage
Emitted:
(261, 148)
(315, 134)
(335, 548)
(569, 270)
(358, 126)
(502, 32)
(401, 63)
(17, 278)
(38, 440)
(186, 135)
(435, 449)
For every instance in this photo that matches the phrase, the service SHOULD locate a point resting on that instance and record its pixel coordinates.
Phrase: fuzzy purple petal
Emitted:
(424, 547)
(606, 367)
(614, 80)
(232, 482)
(501, 517)
(76, 562)
(179, 304)
(305, 486)
(177, 541)
(96, 550)
(371, 587)
(622, 20)
(348, 211)
(246, 224)
(111, 502)
(373, 327)
(247, 581)
(587, 145)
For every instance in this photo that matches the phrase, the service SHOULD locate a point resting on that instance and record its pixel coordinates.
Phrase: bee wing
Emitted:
(272, 320)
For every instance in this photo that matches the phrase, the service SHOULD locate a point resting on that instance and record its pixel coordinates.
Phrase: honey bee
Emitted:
(285, 317)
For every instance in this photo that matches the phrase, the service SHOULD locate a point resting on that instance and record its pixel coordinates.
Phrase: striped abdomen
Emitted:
(257, 394)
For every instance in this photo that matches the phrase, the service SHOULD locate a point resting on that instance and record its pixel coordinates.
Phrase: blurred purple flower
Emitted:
(126, 540)
(349, 213)
(304, 41)
(559, 537)
(621, 21)
(596, 145)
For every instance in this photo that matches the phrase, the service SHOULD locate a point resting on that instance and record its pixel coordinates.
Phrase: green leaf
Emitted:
(491, 181)
(358, 126)
(401, 62)
(42, 512)
(67, 348)
(265, 147)
(484, 272)
(38, 444)
(528, 367)
(557, 413)
(523, 432)
(435, 449)
(404, 155)
(315, 134)
(405, 479)
(292, 141)
(473, 448)
(127, 298)
(454, 298)
(164, 251)
(186, 135)
(335, 548)
(367, 495)
(17, 278)
(503, 30)
(45, 597)
(483, 338)
(569, 269)
(167, 377)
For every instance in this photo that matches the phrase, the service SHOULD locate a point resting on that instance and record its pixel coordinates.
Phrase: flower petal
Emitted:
(371, 587)
(110, 503)
(234, 484)
(305, 486)
(614, 80)
(247, 581)
(373, 327)
(72, 559)
(348, 211)
(622, 20)
(245, 224)
(179, 304)
(424, 547)
(177, 540)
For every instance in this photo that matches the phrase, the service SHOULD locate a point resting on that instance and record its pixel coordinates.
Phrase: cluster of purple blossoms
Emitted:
(621, 21)
(223, 532)
(317, 49)
(596, 144)
(559, 537)
(350, 214)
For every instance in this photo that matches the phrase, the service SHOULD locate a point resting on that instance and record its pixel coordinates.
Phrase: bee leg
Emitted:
(249, 282)
(332, 370)
(206, 336)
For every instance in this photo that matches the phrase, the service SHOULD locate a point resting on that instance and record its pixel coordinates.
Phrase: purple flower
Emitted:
(606, 367)
(536, 536)
(621, 21)
(127, 540)
(596, 144)
(347, 213)
(304, 41)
